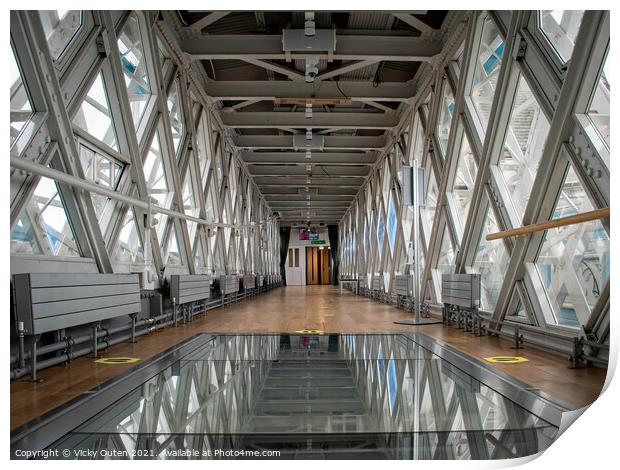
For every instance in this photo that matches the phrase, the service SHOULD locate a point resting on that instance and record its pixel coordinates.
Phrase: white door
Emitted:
(294, 268)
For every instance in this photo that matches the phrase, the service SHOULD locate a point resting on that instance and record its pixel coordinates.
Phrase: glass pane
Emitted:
(199, 258)
(418, 140)
(21, 110)
(60, 26)
(134, 67)
(380, 230)
(51, 234)
(391, 223)
(156, 184)
(203, 153)
(101, 170)
(94, 115)
(190, 207)
(463, 187)
(428, 211)
(445, 117)
(24, 237)
(129, 247)
(176, 115)
(574, 260)
(561, 28)
(445, 263)
(172, 253)
(523, 146)
(599, 106)
(488, 65)
(491, 262)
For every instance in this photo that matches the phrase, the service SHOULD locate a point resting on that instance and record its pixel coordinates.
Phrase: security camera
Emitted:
(311, 73)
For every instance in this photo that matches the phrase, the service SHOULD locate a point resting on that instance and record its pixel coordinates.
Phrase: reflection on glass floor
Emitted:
(331, 396)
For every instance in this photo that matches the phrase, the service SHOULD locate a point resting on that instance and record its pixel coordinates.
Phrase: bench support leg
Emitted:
(95, 329)
(33, 358)
(133, 328)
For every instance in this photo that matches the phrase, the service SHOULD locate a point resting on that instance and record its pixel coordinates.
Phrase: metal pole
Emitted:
(42, 170)
(416, 245)
(415, 199)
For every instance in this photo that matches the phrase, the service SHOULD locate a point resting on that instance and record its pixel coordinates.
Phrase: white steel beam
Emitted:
(341, 120)
(269, 47)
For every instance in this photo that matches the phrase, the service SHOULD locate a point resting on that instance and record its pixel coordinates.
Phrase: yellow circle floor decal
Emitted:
(117, 360)
(310, 332)
(506, 359)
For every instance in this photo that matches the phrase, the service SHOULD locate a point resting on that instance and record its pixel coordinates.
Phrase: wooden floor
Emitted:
(290, 309)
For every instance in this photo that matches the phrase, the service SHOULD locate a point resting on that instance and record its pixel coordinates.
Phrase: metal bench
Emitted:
(229, 286)
(47, 302)
(460, 294)
(362, 288)
(403, 288)
(377, 287)
(348, 283)
(189, 292)
(249, 283)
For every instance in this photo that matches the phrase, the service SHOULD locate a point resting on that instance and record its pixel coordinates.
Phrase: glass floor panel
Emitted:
(317, 396)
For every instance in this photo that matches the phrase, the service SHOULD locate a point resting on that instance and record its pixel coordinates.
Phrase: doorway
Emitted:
(318, 265)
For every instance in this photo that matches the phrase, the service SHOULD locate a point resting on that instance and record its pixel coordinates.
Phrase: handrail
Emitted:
(561, 222)
(34, 168)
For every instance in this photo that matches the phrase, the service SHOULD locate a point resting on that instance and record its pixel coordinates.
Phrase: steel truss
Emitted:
(466, 130)
(164, 139)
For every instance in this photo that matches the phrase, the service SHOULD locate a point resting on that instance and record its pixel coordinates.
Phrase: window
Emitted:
(202, 148)
(574, 260)
(391, 223)
(129, 247)
(172, 254)
(380, 230)
(176, 115)
(598, 111)
(463, 187)
(428, 211)
(101, 170)
(133, 63)
(21, 109)
(43, 226)
(156, 183)
(60, 27)
(190, 207)
(293, 257)
(488, 65)
(445, 263)
(523, 146)
(445, 117)
(491, 262)
(94, 115)
(560, 28)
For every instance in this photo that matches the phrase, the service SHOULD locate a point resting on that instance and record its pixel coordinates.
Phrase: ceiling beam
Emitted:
(335, 142)
(278, 89)
(269, 47)
(208, 20)
(414, 22)
(290, 73)
(345, 69)
(322, 171)
(340, 120)
(317, 158)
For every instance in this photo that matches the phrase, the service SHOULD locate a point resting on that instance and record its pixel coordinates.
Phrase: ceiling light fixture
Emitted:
(308, 133)
(308, 111)
(308, 154)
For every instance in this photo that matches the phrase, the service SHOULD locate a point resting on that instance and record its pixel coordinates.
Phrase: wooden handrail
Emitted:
(561, 222)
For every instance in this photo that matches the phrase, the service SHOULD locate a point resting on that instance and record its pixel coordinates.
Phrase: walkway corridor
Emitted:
(290, 309)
